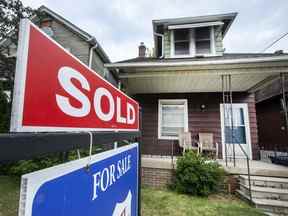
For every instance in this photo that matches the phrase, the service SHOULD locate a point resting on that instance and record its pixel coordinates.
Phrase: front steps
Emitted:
(268, 193)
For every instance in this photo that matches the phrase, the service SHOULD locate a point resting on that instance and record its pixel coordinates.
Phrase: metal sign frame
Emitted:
(21, 146)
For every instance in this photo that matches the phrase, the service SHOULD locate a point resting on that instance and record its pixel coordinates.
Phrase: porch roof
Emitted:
(152, 75)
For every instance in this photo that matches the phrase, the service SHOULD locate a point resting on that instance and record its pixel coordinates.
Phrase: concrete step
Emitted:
(277, 207)
(265, 192)
(263, 181)
(270, 207)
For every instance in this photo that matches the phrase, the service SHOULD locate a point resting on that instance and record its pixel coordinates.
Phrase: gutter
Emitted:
(196, 63)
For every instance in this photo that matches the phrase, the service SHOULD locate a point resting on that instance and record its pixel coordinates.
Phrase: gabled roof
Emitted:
(84, 35)
(227, 19)
(73, 28)
(64, 21)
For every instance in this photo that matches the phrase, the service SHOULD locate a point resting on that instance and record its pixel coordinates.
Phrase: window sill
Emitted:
(167, 138)
(194, 56)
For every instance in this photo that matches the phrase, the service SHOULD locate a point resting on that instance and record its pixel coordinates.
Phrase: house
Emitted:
(191, 84)
(81, 44)
(272, 117)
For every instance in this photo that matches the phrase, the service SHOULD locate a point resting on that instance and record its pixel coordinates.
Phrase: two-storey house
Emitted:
(192, 85)
(80, 43)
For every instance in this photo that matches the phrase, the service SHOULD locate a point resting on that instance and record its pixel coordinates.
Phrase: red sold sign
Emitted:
(54, 91)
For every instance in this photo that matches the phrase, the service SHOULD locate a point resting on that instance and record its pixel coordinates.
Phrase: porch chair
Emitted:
(206, 143)
(185, 141)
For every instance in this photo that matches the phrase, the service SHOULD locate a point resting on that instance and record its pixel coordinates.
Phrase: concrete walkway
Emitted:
(158, 162)
(258, 168)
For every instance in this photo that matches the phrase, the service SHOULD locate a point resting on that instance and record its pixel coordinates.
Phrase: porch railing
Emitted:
(228, 99)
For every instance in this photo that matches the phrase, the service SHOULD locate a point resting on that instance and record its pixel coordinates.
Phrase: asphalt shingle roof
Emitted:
(225, 56)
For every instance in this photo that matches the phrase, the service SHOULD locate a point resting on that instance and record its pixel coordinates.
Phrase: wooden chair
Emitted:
(206, 143)
(185, 141)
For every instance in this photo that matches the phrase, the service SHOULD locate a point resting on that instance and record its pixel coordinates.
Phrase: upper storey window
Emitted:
(191, 42)
(203, 40)
(182, 41)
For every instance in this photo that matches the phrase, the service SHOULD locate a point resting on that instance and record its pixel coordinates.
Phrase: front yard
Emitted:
(9, 195)
(154, 202)
(164, 202)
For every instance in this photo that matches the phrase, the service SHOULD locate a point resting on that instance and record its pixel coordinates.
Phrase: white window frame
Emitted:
(246, 123)
(192, 45)
(171, 101)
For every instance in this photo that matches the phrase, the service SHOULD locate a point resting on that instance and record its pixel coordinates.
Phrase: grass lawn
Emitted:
(164, 202)
(9, 195)
(154, 202)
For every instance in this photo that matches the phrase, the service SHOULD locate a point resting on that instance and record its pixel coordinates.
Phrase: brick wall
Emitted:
(230, 184)
(156, 177)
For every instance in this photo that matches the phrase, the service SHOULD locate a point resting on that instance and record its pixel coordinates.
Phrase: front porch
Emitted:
(266, 187)
(257, 168)
(203, 115)
(198, 88)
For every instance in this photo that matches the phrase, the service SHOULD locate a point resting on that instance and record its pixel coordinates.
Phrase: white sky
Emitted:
(120, 25)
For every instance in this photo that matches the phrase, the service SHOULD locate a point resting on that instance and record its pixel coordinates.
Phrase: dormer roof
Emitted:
(225, 19)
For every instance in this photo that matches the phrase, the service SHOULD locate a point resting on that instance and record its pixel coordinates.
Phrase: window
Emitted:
(182, 41)
(202, 40)
(172, 118)
(190, 42)
(239, 129)
(48, 30)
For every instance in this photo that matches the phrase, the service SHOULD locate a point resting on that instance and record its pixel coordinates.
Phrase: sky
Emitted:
(120, 25)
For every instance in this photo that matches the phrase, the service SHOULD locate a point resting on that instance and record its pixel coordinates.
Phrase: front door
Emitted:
(235, 130)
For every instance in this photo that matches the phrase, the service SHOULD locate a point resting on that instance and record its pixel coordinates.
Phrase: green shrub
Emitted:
(197, 176)
(26, 166)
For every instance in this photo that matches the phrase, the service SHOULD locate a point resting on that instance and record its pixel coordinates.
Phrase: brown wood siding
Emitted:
(270, 121)
(199, 121)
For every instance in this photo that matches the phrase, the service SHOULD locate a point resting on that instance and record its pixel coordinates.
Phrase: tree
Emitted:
(4, 111)
(11, 11)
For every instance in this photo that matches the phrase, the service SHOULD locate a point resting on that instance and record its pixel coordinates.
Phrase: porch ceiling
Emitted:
(167, 76)
(191, 83)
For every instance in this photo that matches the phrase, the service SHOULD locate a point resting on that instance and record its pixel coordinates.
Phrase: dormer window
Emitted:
(192, 42)
(203, 40)
(182, 41)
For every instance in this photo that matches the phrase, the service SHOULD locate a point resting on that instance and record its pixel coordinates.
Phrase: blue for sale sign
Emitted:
(108, 187)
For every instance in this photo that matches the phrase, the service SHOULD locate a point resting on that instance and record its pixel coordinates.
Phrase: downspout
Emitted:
(91, 54)
(162, 39)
